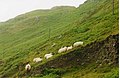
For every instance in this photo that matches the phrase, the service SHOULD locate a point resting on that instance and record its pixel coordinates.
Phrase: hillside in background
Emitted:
(32, 35)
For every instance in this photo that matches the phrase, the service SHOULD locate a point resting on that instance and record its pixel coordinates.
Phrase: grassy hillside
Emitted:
(27, 36)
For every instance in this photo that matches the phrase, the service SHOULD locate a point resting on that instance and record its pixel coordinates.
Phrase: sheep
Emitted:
(76, 44)
(47, 56)
(37, 60)
(69, 48)
(28, 67)
(64, 49)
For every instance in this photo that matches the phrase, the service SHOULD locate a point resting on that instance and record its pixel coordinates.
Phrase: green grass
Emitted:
(25, 37)
(82, 72)
(93, 73)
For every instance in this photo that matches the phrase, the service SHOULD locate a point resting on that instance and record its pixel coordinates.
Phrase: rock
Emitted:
(53, 44)
(100, 65)
(82, 63)
(110, 63)
(97, 61)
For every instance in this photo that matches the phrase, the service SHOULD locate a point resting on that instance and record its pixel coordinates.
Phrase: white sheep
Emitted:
(37, 59)
(76, 44)
(69, 48)
(64, 49)
(47, 56)
(27, 67)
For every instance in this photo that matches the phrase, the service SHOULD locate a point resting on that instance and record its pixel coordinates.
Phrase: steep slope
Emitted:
(99, 58)
(27, 36)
